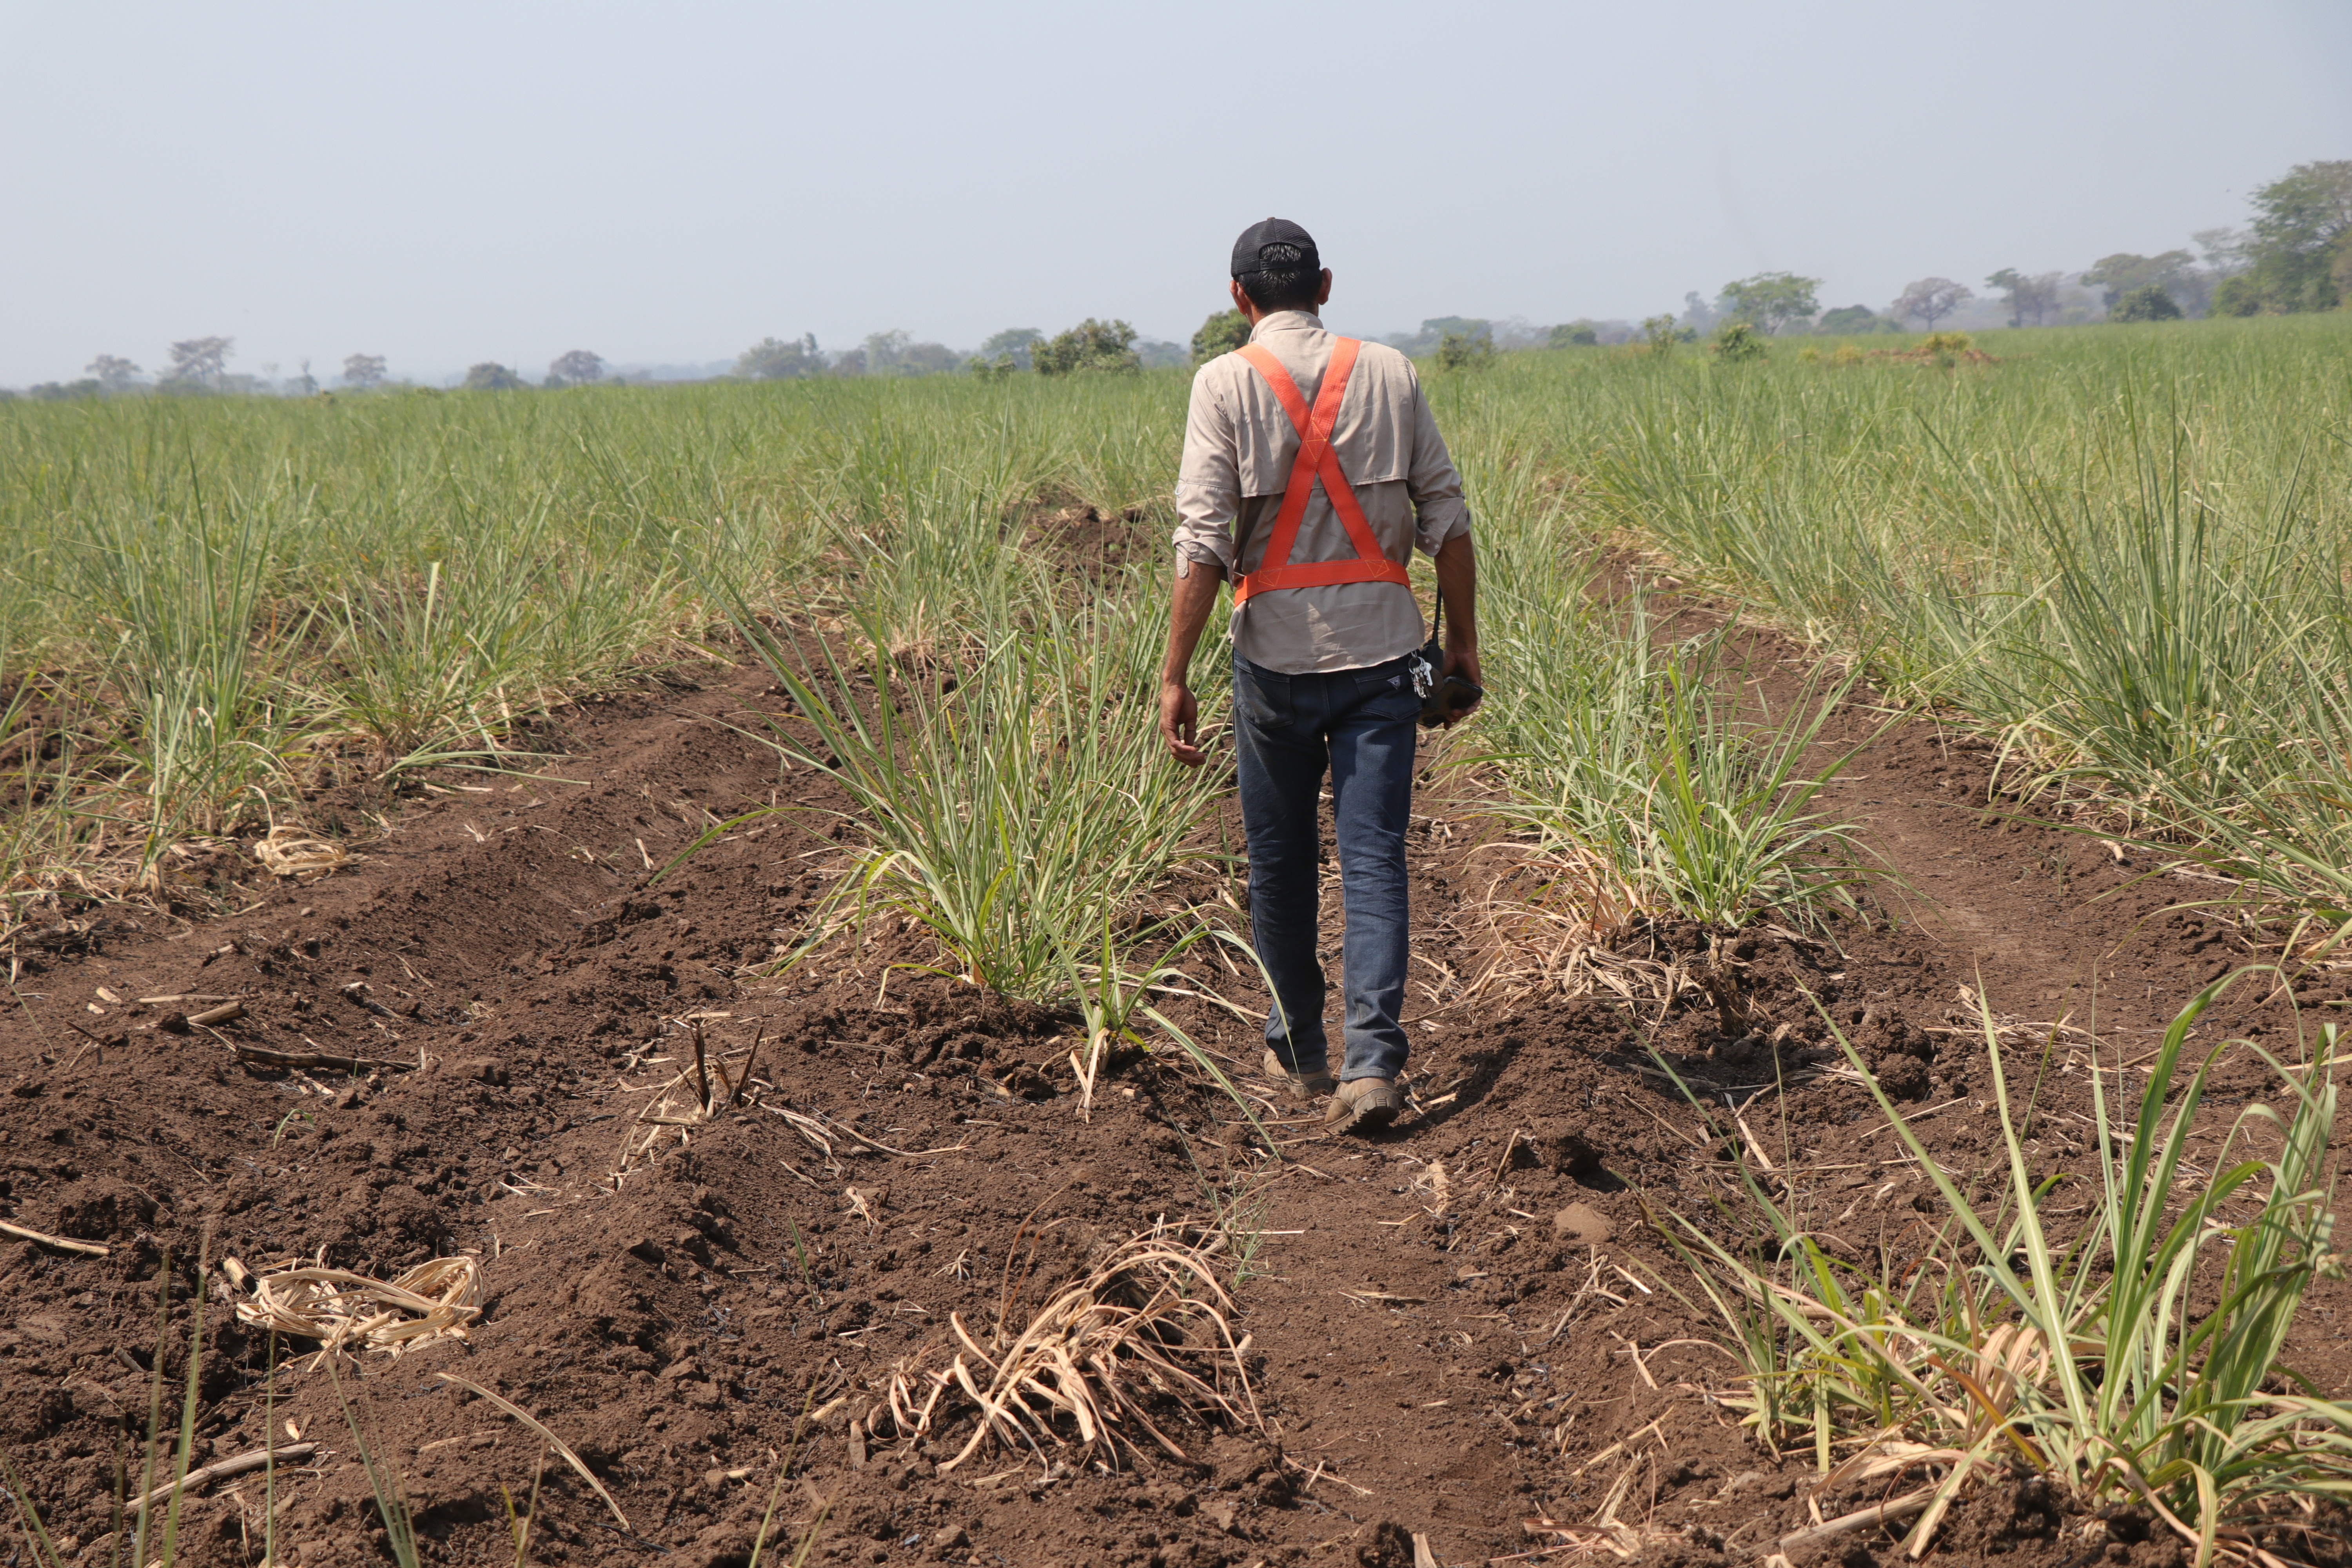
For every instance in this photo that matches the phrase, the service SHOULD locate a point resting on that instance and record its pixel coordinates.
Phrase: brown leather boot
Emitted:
(1363, 1105)
(1311, 1085)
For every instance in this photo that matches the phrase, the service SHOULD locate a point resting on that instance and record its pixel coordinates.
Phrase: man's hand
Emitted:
(1193, 595)
(1457, 580)
(1464, 662)
(1179, 713)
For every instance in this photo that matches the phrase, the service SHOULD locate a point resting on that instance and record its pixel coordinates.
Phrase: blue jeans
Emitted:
(1287, 729)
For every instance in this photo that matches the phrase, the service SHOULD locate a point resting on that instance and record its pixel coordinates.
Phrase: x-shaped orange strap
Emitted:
(1316, 460)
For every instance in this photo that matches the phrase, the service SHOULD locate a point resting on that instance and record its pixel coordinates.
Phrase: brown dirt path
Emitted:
(1436, 1348)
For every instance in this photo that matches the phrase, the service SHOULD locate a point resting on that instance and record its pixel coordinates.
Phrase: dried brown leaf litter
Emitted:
(196, 1480)
(292, 852)
(563, 1449)
(436, 1299)
(1146, 1335)
(61, 1243)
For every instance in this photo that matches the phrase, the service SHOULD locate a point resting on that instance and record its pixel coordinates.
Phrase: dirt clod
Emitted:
(1387, 1545)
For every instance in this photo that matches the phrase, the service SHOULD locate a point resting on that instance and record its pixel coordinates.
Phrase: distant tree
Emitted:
(1461, 350)
(2009, 280)
(492, 376)
(1697, 315)
(2224, 249)
(113, 372)
(2148, 302)
(2299, 255)
(576, 368)
(895, 353)
(1432, 332)
(2111, 275)
(1847, 321)
(1518, 332)
(2040, 295)
(2236, 296)
(2123, 272)
(928, 359)
(1437, 327)
(305, 384)
(1573, 335)
(1932, 298)
(769, 360)
(1738, 342)
(1091, 345)
(1658, 334)
(362, 370)
(2029, 294)
(1013, 343)
(65, 391)
(199, 361)
(1221, 333)
(1770, 300)
(851, 363)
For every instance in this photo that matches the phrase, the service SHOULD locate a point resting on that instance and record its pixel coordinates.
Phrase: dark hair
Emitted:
(1288, 278)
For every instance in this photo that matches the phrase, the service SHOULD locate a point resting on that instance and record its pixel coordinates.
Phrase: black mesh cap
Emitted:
(1249, 250)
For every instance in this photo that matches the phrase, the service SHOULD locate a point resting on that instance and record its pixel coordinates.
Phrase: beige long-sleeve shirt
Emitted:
(1239, 445)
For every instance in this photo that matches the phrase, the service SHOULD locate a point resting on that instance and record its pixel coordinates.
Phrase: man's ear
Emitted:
(1323, 293)
(1243, 303)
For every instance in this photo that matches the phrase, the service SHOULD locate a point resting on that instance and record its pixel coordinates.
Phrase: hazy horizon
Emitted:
(451, 185)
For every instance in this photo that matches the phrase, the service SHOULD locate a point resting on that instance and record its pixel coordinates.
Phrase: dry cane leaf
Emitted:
(561, 1446)
(291, 852)
(438, 1298)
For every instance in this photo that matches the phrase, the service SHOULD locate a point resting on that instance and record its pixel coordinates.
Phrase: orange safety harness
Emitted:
(1316, 461)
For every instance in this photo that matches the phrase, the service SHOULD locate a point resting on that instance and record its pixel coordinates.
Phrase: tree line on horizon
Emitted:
(200, 365)
(2294, 256)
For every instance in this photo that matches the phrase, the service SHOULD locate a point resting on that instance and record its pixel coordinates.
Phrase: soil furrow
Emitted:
(1457, 1326)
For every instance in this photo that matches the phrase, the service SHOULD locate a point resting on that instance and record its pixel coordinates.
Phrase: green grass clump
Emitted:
(1646, 780)
(2102, 1355)
(1013, 801)
(1013, 805)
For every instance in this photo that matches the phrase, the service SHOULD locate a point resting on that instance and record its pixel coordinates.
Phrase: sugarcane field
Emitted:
(726, 1045)
(1714, 941)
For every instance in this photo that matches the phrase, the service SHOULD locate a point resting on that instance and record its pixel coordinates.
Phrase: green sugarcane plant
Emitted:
(2080, 1355)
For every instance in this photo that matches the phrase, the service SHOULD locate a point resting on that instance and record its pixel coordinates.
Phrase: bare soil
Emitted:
(1460, 1330)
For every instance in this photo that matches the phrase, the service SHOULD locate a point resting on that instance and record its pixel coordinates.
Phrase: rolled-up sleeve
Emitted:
(1208, 479)
(1439, 508)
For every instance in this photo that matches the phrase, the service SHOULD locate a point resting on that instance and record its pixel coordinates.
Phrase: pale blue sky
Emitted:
(442, 183)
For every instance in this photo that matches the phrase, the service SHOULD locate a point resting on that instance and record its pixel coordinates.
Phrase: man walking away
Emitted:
(1312, 466)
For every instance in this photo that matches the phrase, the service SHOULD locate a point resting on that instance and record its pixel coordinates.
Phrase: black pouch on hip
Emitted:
(1443, 699)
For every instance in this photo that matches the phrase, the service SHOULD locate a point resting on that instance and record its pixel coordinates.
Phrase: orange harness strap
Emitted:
(1316, 460)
